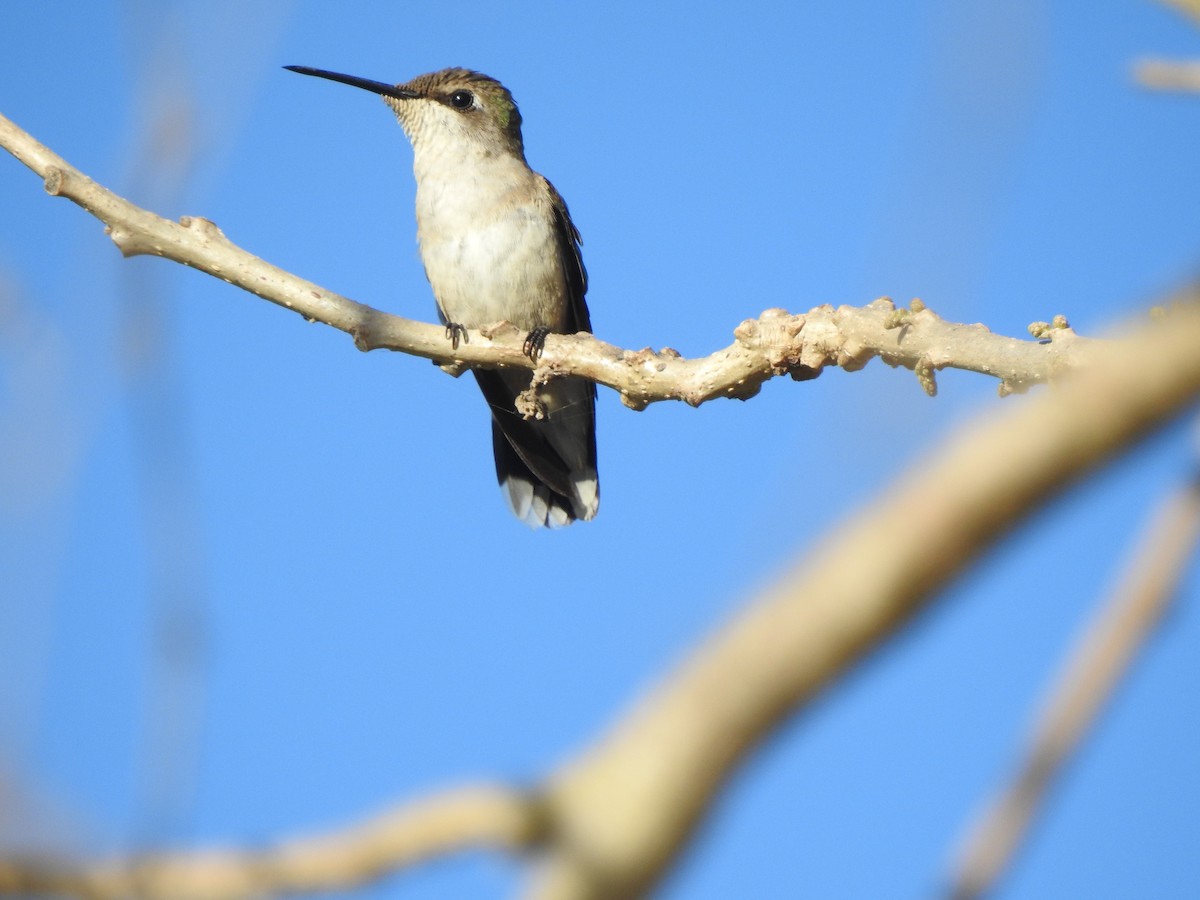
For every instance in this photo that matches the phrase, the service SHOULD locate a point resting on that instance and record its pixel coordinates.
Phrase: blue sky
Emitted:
(365, 619)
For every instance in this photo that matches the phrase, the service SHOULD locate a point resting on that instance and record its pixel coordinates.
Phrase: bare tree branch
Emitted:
(776, 343)
(1187, 7)
(1166, 75)
(1170, 75)
(1092, 673)
(481, 816)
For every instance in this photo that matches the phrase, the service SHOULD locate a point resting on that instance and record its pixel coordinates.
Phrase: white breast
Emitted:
(488, 241)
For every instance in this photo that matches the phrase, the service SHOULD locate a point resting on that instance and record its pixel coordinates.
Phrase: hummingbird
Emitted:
(498, 245)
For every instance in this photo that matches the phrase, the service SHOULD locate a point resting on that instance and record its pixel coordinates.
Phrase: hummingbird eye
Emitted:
(462, 99)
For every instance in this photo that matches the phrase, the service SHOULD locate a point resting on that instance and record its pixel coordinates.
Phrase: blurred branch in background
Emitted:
(1172, 75)
(1093, 671)
(1168, 76)
(162, 163)
(469, 817)
(42, 428)
(611, 821)
(1187, 7)
(34, 823)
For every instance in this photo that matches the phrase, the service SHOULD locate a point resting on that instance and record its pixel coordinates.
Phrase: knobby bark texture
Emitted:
(776, 343)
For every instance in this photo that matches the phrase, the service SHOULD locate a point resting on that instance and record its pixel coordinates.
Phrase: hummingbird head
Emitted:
(456, 105)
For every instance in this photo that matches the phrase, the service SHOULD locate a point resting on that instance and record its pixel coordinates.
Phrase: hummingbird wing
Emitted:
(547, 466)
(574, 272)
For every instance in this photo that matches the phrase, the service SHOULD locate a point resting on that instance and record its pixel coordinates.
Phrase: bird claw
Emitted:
(454, 332)
(535, 341)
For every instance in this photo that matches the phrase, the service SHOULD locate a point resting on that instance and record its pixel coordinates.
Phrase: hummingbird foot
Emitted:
(535, 341)
(455, 332)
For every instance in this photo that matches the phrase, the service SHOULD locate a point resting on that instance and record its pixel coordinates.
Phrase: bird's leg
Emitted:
(454, 332)
(534, 342)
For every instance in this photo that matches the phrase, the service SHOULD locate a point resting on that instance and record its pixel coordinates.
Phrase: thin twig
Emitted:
(1094, 668)
(774, 344)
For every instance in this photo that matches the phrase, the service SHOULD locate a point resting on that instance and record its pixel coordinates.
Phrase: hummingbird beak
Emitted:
(375, 87)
